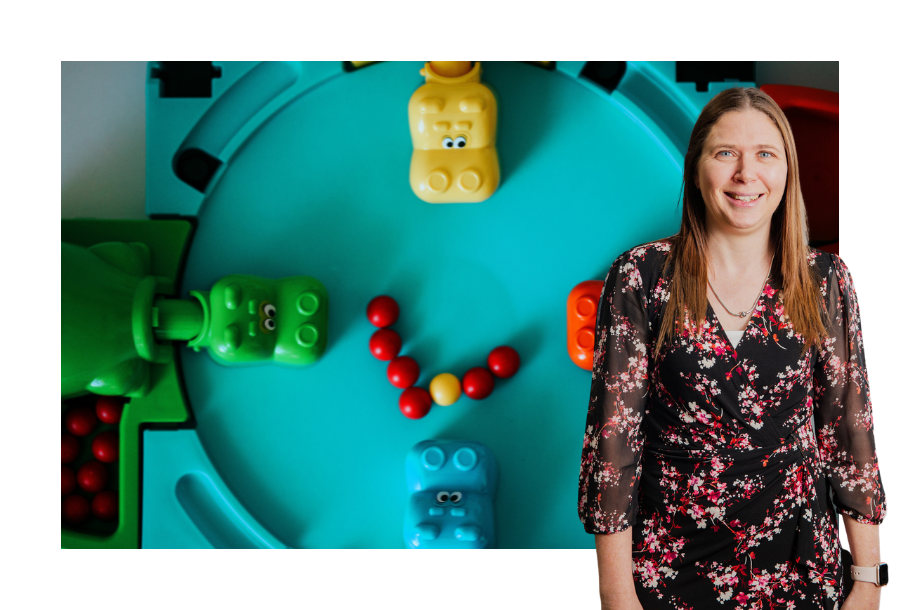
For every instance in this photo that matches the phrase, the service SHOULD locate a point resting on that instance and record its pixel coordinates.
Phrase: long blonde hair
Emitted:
(689, 253)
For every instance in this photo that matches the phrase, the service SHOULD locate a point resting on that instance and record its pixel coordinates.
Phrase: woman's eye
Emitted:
(447, 142)
(766, 153)
(269, 323)
(456, 497)
(269, 310)
(460, 142)
(442, 497)
(725, 152)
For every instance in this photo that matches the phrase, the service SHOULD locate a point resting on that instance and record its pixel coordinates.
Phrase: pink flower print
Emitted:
(769, 291)
(703, 417)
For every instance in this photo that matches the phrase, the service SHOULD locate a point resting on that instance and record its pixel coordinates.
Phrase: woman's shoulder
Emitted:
(827, 263)
(640, 266)
(647, 255)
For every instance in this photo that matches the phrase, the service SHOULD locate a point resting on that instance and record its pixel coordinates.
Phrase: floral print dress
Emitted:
(728, 462)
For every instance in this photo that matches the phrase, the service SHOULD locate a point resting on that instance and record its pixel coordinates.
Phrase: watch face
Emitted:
(882, 574)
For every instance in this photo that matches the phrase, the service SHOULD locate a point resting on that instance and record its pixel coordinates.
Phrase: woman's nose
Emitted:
(745, 171)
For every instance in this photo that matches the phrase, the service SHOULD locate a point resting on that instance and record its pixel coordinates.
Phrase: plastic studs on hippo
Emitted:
(451, 503)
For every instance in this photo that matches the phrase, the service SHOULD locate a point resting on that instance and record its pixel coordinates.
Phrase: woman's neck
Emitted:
(732, 254)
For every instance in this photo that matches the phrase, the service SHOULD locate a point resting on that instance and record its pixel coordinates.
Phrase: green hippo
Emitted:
(117, 319)
(249, 319)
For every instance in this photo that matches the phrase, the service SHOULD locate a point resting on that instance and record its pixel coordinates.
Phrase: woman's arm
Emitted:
(866, 550)
(614, 566)
(842, 412)
(841, 406)
(614, 439)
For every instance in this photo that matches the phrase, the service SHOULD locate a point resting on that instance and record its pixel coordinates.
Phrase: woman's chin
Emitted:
(742, 225)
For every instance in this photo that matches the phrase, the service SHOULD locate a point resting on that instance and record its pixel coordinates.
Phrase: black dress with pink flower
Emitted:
(728, 462)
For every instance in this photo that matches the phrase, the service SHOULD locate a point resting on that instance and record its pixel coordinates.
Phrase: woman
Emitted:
(729, 401)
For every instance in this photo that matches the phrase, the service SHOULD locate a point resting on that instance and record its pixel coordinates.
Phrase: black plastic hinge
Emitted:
(186, 78)
(705, 72)
(196, 167)
(607, 74)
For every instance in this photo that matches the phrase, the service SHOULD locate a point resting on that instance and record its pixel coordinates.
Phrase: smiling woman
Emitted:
(729, 404)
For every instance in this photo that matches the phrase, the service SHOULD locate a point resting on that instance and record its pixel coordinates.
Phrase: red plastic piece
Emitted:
(383, 311)
(75, 509)
(403, 372)
(581, 320)
(106, 506)
(106, 446)
(68, 480)
(80, 420)
(415, 403)
(385, 344)
(478, 383)
(813, 115)
(109, 409)
(503, 361)
(70, 448)
(92, 476)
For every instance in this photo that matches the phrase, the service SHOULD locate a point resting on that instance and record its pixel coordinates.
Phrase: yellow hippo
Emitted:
(453, 122)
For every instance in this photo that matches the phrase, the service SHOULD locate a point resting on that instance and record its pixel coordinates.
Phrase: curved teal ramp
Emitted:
(187, 504)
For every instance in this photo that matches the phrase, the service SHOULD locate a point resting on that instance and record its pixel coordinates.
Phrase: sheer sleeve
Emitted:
(613, 438)
(842, 410)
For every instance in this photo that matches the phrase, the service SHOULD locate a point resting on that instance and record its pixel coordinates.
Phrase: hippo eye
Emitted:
(442, 497)
(460, 142)
(269, 324)
(447, 142)
(456, 497)
(265, 309)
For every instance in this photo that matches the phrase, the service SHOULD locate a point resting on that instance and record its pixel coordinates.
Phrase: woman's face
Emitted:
(742, 173)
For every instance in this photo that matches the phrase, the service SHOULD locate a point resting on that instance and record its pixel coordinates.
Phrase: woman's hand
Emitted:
(863, 596)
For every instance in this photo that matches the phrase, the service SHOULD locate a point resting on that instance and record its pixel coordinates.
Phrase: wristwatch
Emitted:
(877, 574)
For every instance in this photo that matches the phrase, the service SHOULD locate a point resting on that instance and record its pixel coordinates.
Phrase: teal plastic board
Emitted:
(316, 182)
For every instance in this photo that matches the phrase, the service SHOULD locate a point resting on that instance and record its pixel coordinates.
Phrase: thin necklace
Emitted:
(744, 314)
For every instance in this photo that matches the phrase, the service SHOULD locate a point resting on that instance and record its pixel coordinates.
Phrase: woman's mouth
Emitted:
(743, 200)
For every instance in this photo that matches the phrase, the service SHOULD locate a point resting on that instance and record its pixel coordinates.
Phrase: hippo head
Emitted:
(252, 320)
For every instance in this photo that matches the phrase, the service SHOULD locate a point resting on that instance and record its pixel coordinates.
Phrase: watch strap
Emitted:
(869, 574)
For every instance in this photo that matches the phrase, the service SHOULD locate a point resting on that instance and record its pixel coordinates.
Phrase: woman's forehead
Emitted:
(745, 127)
